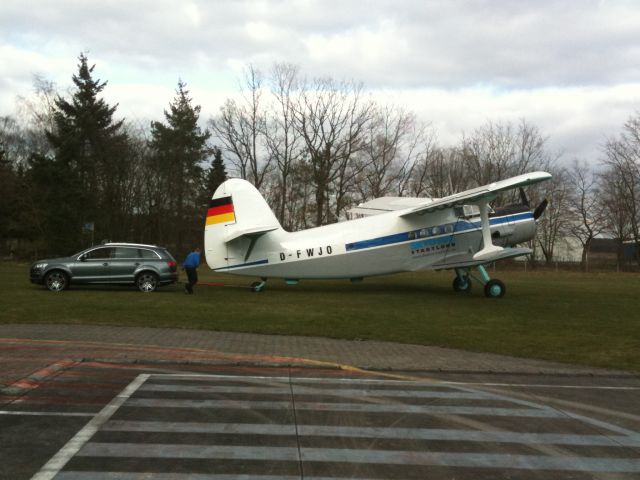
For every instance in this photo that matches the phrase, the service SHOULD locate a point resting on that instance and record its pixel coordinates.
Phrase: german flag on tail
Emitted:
(220, 211)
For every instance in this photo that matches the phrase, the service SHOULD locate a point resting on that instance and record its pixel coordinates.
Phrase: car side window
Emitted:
(148, 254)
(124, 252)
(99, 254)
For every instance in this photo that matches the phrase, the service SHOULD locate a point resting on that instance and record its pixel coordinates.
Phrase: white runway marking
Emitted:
(60, 459)
(352, 455)
(539, 385)
(46, 414)
(302, 390)
(373, 432)
(346, 407)
(247, 410)
(186, 476)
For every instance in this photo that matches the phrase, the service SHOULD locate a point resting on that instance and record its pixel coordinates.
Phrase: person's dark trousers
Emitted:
(192, 275)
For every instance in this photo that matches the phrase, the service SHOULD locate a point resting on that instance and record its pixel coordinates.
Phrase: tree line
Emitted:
(73, 173)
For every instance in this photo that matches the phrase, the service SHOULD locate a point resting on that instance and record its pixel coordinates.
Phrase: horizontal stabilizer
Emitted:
(248, 232)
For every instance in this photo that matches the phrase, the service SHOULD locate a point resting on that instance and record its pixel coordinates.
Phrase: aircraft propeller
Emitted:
(539, 209)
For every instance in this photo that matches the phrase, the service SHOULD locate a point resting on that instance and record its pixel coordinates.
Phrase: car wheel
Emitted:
(56, 281)
(147, 282)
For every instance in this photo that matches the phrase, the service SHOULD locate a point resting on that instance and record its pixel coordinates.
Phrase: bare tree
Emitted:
(441, 172)
(389, 152)
(283, 140)
(554, 224)
(489, 152)
(332, 117)
(37, 114)
(240, 130)
(615, 208)
(586, 208)
(531, 151)
(497, 151)
(623, 160)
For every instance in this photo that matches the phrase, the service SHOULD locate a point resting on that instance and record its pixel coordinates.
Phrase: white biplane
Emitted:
(393, 234)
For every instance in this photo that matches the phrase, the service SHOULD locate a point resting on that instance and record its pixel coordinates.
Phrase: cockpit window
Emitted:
(466, 211)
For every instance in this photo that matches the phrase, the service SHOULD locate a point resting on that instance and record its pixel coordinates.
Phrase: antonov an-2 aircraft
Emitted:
(458, 232)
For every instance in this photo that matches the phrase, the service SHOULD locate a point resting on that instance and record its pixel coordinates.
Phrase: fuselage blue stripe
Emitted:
(456, 227)
(378, 242)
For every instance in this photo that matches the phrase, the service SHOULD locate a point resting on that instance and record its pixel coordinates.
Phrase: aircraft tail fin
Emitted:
(236, 210)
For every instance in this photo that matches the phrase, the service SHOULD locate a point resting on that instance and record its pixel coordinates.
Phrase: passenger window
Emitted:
(99, 254)
(123, 252)
(148, 254)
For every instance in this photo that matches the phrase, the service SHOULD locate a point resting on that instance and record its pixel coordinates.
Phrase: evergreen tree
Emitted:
(180, 148)
(51, 207)
(9, 193)
(90, 149)
(11, 154)
(216, 174)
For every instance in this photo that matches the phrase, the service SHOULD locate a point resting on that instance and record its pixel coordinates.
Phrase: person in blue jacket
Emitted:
(190, 265)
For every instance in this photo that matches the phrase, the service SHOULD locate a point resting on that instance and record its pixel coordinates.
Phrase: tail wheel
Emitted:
(147, 282)
(257, 286)
(56, 281)
(494, 289)
(462, 284)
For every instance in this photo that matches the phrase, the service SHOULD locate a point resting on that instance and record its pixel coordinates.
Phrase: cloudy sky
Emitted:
(570, 67)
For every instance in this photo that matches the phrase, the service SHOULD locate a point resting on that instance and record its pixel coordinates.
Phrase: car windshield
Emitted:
(79, 253)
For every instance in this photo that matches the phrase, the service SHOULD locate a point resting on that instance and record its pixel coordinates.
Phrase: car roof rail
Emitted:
(125, 244)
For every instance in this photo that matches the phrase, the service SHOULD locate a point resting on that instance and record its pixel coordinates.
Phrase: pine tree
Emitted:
(216, 174)
(180, 149)
(89, 146)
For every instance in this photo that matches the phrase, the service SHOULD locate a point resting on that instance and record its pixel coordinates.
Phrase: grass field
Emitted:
(589, 319)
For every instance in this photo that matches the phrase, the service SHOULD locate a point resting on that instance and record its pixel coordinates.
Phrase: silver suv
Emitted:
(146, 266)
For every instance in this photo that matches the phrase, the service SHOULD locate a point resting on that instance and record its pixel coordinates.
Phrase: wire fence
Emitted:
(592, 266)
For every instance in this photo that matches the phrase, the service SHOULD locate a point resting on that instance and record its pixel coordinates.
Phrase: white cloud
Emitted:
(364, 48)
(572, 67)
(577, 120)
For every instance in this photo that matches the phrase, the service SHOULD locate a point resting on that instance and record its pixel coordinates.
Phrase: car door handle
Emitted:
(105, 264)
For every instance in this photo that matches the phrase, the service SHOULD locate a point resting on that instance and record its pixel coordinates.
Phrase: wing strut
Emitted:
(488, 249)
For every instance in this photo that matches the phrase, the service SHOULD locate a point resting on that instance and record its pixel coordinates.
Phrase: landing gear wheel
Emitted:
(147, 282)
(257, 286)
(462, 284)
(56, 281)
(494, 289)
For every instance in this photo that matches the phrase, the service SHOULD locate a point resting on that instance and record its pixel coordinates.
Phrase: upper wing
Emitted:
(485, 192)
(383, 205)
